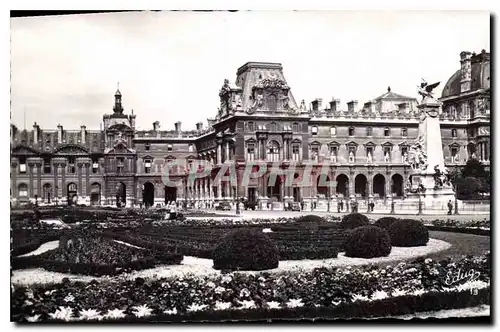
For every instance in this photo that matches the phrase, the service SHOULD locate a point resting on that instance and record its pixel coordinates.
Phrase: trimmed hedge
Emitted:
(368, 242)
(246, 250)
(408, 233)
(354, 220)
(311, 218)
(385, 222)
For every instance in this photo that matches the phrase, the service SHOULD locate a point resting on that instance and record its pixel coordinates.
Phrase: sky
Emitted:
(171, 65)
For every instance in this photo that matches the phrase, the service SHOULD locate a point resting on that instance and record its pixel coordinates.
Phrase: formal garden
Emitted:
(116, 265)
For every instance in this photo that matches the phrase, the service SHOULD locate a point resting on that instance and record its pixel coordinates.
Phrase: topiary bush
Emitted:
(385, 222)
(311, 218)
(368, 242)
(354, 220)
(408, 233)
(246, 249)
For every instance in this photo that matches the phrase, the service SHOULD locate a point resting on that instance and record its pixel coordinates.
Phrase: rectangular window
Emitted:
(333, 154)
(296, 152)
(314, 130)
(147, 146)
(169, 147)
(454, 155)
(23, 192)
(147, 166)
(369, 131)
(369, 151)
(387, 154)
(351, 131)
(95, 167)
(47, 168)
(333, 131)
(22, 168)
(251, 152)
(404, 132)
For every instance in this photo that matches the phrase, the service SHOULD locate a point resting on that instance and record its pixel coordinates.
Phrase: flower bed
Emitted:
(363, 291)
(96, 255)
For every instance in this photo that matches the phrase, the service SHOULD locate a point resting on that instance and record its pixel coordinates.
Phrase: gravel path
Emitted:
(43, 248)
(462, 244)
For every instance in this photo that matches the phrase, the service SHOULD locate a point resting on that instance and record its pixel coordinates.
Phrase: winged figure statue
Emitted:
(425, 89)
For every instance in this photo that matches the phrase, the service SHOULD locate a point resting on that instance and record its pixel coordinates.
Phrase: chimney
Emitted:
(465, 71)
(334, 105)
(178, 127)
(59, 133)
(199, 126)
(316, 104)
(132, 120)
(211, 122)
(352, 105)
(156, 125)
(83, 132)
(36, 130)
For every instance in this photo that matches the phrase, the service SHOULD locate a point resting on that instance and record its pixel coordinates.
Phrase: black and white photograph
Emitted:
(180, 166)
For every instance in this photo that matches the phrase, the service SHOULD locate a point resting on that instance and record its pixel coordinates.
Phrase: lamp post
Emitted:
(392, 203)
(419, 191)
(456, 189)
(57, 196)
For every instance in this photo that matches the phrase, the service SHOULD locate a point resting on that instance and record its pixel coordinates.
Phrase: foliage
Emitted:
(359, 291)
(408, 233)
(246, 250)
(354, 220)
(385, 222)
(368, 242)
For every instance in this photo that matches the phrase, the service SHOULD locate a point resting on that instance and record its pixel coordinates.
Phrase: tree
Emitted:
(474, 168)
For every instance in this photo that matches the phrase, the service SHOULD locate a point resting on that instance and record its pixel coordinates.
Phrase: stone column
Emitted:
(39, 180)
(13, 179)
(219, 152)
(30, 183)
(87, 179)
(227, 157)
(56, 183)
(63, 181)
(80, 171)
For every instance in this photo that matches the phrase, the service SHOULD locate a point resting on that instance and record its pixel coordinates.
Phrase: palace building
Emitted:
(365, 145)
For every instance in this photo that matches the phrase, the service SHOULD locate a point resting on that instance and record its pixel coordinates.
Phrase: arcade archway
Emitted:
(47, 193)
(397, 185)
(148, 194)
(274, 190)
(360, 185)
(321, 187)
(72, 193)
(121, 194)
(170, 194)
(379, 186)
(343, 185)
(95, 194)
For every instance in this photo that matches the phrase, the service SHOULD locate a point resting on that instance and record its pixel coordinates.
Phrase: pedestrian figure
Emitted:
(450, 207)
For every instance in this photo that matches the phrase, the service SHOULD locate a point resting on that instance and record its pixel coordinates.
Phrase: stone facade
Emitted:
(365, 148)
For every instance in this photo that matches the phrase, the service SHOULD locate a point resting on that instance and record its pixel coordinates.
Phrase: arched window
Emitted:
(351, 131)
(333, 131)
(369, 131)
(22, 190)
(273, 151)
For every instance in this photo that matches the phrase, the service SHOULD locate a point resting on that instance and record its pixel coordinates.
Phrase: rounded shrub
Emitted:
(246, 249)
(368, 242)
(354, 220)
(408, 233)
(385, 222)
(311, 218)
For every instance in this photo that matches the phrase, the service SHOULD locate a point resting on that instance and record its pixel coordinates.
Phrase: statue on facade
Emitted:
(387, 158)
(425, 89)
(286, 102)
(351, 157)
(333, 158)
(405, 158)
(225, 96)
(369, 157)
(303, 105)
(257, 104)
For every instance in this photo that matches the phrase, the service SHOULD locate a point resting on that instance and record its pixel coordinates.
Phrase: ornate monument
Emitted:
(429, 176)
